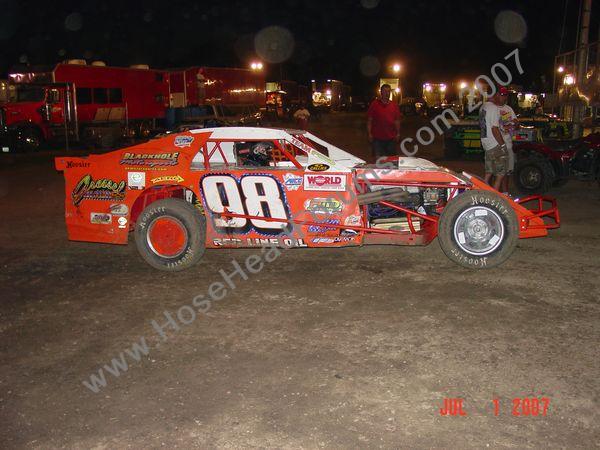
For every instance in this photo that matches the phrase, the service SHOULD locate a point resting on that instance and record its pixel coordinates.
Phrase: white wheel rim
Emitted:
(478, 230)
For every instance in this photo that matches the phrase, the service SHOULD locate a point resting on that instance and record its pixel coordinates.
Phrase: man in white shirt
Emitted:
(508, 127)
(302, 115)
(492, 140)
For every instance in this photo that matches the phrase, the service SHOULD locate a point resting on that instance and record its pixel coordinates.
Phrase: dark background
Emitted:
(434, 40)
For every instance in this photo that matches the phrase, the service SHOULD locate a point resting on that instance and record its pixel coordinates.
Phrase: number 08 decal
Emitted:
(253, 195)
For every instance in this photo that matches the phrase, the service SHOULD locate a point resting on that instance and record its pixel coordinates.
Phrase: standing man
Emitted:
(509, 125)
(493, 143)
(383, 124)
(302, 115)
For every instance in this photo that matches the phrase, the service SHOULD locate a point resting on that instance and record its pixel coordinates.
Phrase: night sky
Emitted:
(352, 40)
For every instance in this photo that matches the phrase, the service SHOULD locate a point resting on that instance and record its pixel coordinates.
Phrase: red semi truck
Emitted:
(99, 104)
(83, 103)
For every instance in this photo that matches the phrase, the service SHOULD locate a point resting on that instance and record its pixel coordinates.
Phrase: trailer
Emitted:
(215, 96)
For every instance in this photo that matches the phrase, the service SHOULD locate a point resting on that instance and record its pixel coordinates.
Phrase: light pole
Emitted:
(396, 69)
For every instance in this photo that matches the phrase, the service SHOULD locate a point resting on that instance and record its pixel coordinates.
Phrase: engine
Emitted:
(421, 200)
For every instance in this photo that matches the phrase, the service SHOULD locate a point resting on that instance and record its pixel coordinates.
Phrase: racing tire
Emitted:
(170, 235)
(478, 229)
(534, 175)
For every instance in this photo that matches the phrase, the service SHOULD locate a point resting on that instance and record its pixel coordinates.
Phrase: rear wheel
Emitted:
(534, 175)
(170, 234)
(478, 229)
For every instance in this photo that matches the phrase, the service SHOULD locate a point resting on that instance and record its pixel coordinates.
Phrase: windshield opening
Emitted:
(29, 94)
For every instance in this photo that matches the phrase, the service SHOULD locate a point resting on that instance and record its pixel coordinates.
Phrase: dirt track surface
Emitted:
(351, 348)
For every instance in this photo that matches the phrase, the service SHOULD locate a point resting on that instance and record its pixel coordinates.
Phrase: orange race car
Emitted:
(256, 187)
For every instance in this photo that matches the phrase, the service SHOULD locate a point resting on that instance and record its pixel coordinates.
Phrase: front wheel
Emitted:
(478, 229)
(170, 234)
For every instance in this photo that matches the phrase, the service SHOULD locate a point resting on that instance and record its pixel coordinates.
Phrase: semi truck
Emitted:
(73, 101)
(98, 105)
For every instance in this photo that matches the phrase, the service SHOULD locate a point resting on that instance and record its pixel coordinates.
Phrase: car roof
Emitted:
(341, 157)
(248, 132)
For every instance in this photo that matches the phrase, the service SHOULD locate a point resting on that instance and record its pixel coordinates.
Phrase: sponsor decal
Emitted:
(354, 221)
(136, 180)
(119, 209)
(292, 182)
(122, 222)
(324, 182)
(103, 189)
(315, 157)
(100, 218)
(318, 167)
(74, 164)
(323, 205)
(298, 143)
(150, 159)
(183, 141)
(324, 228)
(484, 200)
(168, 178)
(473, 261)
(259, 242)
(332, 240)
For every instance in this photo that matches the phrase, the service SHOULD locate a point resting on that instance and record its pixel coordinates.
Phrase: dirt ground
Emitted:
(352, 348)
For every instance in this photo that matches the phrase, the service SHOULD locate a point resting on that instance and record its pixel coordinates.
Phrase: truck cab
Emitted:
(35, 115)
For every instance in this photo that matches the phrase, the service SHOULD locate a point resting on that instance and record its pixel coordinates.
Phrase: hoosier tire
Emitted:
(478, 229)
(170, 235)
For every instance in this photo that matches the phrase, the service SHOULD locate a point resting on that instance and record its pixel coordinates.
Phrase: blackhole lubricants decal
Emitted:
(102, 189)
(150, 159)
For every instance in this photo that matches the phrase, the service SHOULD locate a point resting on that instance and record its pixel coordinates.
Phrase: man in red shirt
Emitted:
(383, 124)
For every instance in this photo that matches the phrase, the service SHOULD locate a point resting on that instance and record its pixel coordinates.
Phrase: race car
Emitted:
(256, 187)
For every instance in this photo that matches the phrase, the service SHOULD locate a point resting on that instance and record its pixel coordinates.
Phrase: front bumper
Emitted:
(545, 209)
